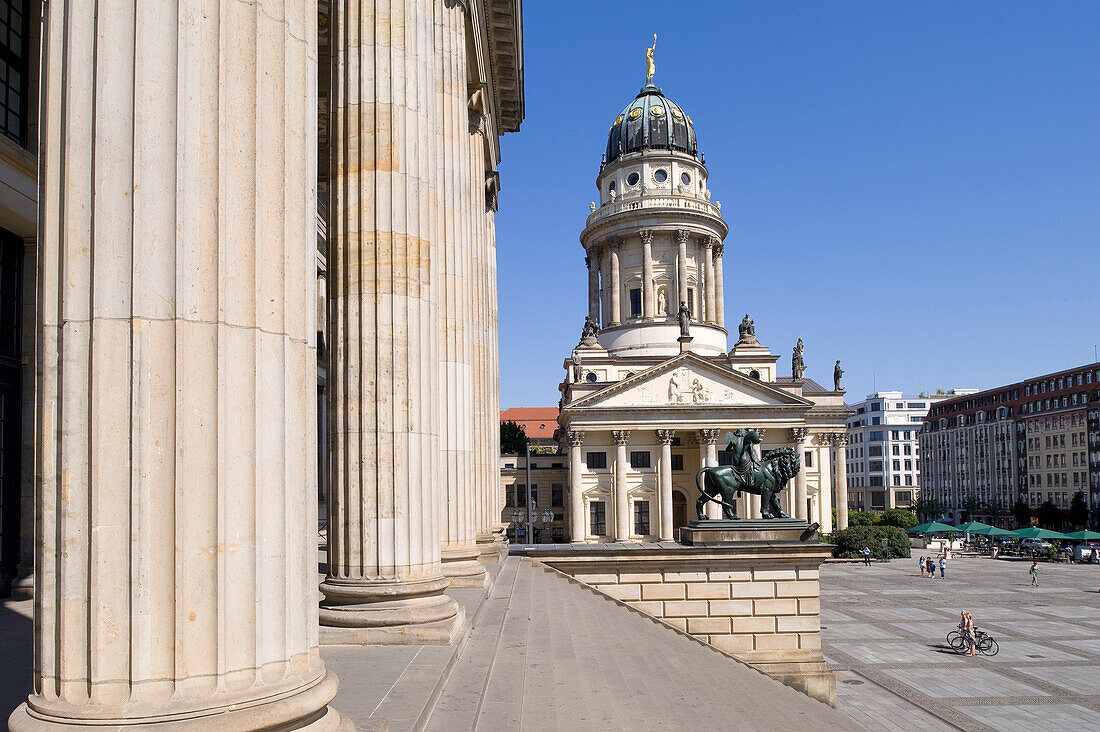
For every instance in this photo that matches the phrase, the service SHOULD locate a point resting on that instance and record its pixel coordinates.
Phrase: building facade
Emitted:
(883, 449)
(652, 389)
(1026, 441)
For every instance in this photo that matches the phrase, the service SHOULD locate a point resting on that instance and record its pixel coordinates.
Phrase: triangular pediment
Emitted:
(689, 380)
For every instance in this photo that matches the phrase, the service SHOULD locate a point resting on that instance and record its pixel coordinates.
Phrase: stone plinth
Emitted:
(756, 601)
(723, 533)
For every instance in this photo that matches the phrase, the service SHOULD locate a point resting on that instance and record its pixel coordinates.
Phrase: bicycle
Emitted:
(985, 644)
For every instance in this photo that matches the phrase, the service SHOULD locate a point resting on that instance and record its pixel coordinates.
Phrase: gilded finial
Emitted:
(649, 61)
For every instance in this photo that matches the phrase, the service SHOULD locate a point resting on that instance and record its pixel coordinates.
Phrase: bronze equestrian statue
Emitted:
(765, 477)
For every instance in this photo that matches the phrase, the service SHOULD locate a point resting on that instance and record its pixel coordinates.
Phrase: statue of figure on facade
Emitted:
(649, 68)
(662, 302)
(837, 373)
(588, 332)
(765, 477)
(747, 331)
(684, 318)
(798, 366)
(578, 370)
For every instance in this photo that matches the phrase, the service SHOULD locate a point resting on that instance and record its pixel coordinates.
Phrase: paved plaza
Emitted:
(884, 628)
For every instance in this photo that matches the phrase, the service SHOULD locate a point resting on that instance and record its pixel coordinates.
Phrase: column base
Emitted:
(492, 546)
(462, 568)
(301, 709)
(22, 587)
(388, 613)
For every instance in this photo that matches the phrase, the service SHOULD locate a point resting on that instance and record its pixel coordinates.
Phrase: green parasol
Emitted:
(933, 527)
(1085, 535)
(1034, 532)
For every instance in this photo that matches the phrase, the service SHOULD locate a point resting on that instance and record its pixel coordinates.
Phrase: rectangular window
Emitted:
(14, 53)
(875, 436)
(896, 464)
(808, 459)
(641, 517)
(917, 405)
(636, 303)
(510, 495)
(908, 464)
(557, 495)
(691, 302)
(895, 449)
(521, 494)
(639, 459)
(599, 518)
(596, 460)
(677, 462)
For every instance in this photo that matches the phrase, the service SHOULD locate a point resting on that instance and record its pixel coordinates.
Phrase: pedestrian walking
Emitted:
(1034, 571)
(943, 568)
(923, 569)
(867, 556)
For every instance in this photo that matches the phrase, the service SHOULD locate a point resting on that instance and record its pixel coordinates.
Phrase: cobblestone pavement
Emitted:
(883, 629)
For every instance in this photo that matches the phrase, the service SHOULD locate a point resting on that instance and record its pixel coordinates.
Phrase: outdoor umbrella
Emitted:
(1034, 532)
(933, 527)
(1085, 535)
(972, 527)
(991, 531)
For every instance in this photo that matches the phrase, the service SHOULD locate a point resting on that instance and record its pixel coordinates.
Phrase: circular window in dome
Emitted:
(658, 111)
(660, 175)
(590, 378)
(685, 178)
(632, 179)
(677, 113)
(635, 113)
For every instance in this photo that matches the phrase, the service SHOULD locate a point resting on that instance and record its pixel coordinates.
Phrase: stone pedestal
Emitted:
(724, 533)
(685, 343)
(175, 557)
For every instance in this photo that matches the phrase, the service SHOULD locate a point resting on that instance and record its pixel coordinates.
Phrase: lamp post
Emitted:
(531, 496)
(885, 549)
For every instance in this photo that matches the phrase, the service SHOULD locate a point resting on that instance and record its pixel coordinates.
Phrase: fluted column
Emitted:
(665, 437)
(825, 491)
(577, 524)
(384, 569)
(616, 283)
(463, 309)
(753, 504)
(649, 304)
(605, 283)
(708, 262)
(593, 264)
(840, 439)
(798, 440)
(719, 290)
(622, 490)
(709, 457)
(681, 269)
(175, 561)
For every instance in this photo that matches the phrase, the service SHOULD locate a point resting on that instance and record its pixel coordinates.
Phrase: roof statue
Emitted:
(837, 373)
(684, 318)
(747, 332)
(649, 68)
(798, 365)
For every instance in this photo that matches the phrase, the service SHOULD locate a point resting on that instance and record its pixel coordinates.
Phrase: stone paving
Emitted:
(884, 628)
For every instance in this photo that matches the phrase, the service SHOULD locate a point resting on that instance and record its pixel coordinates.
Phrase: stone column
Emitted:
(622, 496)
(616, 283)
(798, 438)
(649, 303)
(825, 490)
(840, 440)
(709, 454)
(710, 289)
(23, 585)
(605, 283)
(665, 486)
(384, 572)
(176, 550)
(753, 503)
(576, 489)
(719, 290)
(592, 260)
(681, 270)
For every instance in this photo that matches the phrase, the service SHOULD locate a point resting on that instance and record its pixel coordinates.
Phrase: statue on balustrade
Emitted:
(765, 477)
(837, 373)
(798, 366)
(747, 331)
(588, 332)
(684, 318)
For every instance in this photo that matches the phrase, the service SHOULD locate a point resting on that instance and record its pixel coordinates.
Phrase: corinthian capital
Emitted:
(621, 437)
(575, 438)
(647, 236)
(709, 436)
(682, 236)
(613, 243)
(840, 439)
(665, 436)
(798, 435)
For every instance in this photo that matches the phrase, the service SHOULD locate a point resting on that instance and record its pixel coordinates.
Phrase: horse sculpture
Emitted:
(766, 477)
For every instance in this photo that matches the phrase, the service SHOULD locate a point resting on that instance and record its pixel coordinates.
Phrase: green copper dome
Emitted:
(651, 122)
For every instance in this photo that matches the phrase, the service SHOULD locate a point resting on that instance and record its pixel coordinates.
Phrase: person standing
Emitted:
(867, 556)
(1034, 571)
(943, 568)
(922, 567)
(970, 634)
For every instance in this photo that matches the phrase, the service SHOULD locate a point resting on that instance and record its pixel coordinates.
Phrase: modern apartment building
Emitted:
(883, 449)
(1029, 440)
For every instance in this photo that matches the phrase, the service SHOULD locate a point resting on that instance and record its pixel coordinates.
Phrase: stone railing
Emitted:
(638, 203)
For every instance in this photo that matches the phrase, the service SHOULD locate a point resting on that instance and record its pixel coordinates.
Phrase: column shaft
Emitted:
(176, 370)
(593, 262)
(649, 304)
(719, 290)
(622, 490)
(710, 288)
(681, 269)
(665, 486)
(616, 285)
(842, 482)
(384, 270)
(800, 493)
(825, 491)
(577, 525)
(753, 504)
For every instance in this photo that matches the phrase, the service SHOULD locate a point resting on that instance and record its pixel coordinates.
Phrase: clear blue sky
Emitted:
(911, 187)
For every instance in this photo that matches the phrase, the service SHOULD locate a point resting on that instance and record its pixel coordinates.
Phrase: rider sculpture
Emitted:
(765, 477)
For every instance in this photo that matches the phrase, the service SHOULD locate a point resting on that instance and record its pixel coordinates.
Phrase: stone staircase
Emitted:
(548, 653)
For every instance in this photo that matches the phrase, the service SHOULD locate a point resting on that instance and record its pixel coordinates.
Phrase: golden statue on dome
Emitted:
(649, 69)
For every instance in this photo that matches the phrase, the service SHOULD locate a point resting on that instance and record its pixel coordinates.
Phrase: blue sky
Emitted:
(911, 187)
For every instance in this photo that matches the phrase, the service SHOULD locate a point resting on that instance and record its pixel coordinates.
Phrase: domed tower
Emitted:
(655, 239)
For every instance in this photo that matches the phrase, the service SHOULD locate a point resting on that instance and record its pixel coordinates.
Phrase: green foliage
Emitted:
(849, 542)
(1021, 512)
(971, 505)
(1053, 549)
(1049, 515)
(928, 509)
(1078, 510)
(903, 518)
(993, 507)
(862, 518)
(513, 439)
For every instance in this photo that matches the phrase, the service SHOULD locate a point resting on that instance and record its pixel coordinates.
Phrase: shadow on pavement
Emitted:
(16, 644)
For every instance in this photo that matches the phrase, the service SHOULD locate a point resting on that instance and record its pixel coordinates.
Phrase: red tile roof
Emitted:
(537, 422)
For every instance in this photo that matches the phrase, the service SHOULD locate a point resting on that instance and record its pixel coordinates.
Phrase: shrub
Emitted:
(903, 518)
(862, 518)
(849, 542)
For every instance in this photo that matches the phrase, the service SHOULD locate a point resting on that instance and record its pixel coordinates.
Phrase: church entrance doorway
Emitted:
(679, 511)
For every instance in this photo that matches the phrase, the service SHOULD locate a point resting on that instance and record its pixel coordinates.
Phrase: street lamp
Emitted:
(885, 549)
(516, 516)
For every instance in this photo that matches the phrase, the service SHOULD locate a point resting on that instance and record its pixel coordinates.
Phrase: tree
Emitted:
(1049, 515)
(1022, 512)
(903, 518)
(971, 505)
(849, 542)
(862, 518)
(928, 509)
(1078, 511)
(994, 506)
(513, 438)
